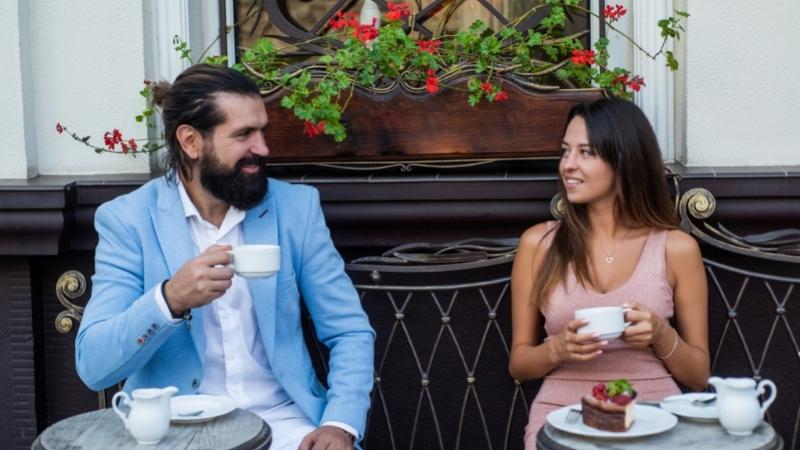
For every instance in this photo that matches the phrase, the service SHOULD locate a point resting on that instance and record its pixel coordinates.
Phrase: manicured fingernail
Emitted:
(584, 321)
(604, 343)
(626, 305)
(599, 352)
(595, 335)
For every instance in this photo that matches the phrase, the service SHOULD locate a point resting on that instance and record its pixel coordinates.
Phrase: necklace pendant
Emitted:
(609, 259)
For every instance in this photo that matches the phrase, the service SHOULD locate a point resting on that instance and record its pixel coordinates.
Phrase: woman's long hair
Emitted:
(622, 136)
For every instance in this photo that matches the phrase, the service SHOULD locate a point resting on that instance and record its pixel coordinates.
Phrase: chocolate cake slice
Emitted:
(605, 415)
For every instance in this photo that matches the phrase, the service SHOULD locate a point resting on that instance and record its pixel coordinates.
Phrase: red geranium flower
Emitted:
(620, 79)
(112, 138)
(344, 20)
(311, 129)
(487, 87)
(501, 96)
(583, 56)
(614, 13)
(432, 83)
(366, 33)
(397, 11)
(59, 128)
(428, 46)
(636, 83)
(132, 144)
(147, 82)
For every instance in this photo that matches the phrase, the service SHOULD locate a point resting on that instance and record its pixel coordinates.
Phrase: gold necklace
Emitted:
(610, 256)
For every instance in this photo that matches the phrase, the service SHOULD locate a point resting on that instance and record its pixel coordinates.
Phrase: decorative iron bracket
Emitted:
(699, 204)
(70, 285)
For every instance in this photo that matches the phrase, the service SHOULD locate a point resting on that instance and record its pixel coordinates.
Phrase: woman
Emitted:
(617, 245)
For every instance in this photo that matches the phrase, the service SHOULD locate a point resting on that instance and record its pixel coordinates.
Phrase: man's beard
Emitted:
(233, 186)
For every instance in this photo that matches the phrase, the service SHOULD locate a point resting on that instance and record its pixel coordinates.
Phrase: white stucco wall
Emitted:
(13, 136)
(87, 60)
(743, 83)
(81, 63)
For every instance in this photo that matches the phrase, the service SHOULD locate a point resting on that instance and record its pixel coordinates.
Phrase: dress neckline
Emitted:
(633, 274)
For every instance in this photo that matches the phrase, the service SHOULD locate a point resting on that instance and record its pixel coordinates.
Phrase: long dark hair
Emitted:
(190, 100)
(623, 137)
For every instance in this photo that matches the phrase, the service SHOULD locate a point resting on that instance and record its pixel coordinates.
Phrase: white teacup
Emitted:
(607, 321)
(256, 261)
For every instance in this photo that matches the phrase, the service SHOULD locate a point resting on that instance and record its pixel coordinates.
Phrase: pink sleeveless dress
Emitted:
(565, 385)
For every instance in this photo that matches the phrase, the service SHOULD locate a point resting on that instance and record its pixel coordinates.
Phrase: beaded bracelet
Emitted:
(674, 346)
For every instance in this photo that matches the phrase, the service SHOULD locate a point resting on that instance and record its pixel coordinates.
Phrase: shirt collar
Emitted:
(232, 218)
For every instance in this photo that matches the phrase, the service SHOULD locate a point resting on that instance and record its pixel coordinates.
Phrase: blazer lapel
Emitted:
(177, 246)
(260, 226)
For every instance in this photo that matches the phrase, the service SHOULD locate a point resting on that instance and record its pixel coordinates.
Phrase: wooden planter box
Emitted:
(441, 127)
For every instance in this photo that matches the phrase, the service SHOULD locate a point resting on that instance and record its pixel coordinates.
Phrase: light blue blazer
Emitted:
(145, 238)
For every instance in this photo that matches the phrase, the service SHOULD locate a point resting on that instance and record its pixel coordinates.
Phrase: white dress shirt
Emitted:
(235, 362)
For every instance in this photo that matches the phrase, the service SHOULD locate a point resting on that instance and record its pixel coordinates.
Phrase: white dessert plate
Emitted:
(648, 420)
(199, 408)
(682, 406)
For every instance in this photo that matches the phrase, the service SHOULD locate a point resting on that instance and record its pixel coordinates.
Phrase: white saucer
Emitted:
(682, 406)
(212, 406)
(648, 420)
(256, 274)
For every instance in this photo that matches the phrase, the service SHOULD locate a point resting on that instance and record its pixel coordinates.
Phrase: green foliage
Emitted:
(394, 54)
(182, 47)
(318, 90)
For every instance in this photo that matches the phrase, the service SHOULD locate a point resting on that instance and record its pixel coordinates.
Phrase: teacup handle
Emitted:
(126, 400)
(625, 310)
(773, 391)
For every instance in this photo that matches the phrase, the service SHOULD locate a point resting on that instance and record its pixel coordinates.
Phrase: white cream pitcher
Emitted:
(149, 416)
(737, 403)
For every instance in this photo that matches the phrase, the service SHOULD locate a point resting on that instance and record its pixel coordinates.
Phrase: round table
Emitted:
(685, 435)
(103, 429)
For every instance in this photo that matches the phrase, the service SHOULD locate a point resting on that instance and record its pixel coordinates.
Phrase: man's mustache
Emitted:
(260, 161)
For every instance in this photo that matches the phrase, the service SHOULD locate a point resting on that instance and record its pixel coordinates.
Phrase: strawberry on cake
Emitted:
(610, 407)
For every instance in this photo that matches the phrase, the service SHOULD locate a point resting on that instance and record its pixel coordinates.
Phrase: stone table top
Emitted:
(685, 435)
(103, 429)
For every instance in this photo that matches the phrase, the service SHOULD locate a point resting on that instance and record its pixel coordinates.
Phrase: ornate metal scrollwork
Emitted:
(699, 204)
(557, 206)
(70, 285)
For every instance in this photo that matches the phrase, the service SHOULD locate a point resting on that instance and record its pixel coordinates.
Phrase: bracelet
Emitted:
(674, 346)
(187, 315)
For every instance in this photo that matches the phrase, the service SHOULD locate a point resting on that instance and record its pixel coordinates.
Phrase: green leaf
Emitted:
(287, 102)
(326, 59)
(507, 32)
(534, 39)
(474, 99)
(139, 118)
(672, 63)
(478, 27)
(474, 84)
(490, 46)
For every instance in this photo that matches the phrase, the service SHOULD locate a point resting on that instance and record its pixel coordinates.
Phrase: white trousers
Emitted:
(288, 424)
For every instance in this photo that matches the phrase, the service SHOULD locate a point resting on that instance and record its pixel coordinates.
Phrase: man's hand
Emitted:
(201, 280)
(327, 437)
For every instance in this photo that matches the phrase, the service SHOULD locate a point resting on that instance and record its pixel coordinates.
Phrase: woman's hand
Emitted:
(571, 346)
(646, 326)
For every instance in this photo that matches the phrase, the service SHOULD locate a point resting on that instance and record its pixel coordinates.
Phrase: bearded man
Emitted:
(167, 310)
